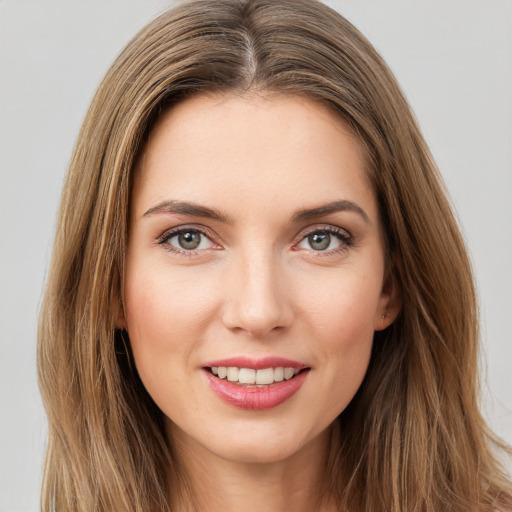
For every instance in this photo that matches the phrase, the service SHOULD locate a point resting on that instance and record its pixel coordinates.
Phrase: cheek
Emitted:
(344, 308)
(342, 322)
(165, 317)
(166, 307)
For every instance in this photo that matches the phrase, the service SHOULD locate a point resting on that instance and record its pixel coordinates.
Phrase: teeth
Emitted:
(247, 376)
(265, 376)
(289, 373)
(251, 376)
(232, 374)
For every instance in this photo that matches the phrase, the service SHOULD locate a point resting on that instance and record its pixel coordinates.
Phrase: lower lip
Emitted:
(253, 398)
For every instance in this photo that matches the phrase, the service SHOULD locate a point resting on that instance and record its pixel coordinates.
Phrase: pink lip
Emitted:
(257, 364)
(255, 398)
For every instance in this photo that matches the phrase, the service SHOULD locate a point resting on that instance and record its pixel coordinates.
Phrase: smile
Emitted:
(255, 385)
(251, 376)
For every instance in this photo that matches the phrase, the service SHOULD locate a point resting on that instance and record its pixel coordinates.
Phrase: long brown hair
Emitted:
(413, 438)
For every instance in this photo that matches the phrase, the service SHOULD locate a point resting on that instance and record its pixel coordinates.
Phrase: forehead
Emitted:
(215, 148)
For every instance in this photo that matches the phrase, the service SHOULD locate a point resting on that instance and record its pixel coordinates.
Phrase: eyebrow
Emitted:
(195, 210)
(334, 207)
(187, 208)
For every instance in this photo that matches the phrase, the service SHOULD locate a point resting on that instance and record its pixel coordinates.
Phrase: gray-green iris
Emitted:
(319, 241)
(189, 240)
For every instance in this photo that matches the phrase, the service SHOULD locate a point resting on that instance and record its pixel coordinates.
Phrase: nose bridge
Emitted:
(259, 300)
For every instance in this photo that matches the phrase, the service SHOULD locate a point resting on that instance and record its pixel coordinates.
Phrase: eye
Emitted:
(325, 240)
(186, 240)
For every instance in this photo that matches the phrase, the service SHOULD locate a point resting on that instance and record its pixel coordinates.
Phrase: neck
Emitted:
(216, 484)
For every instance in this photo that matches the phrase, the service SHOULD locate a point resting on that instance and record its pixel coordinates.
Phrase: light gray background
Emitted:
(454, 60)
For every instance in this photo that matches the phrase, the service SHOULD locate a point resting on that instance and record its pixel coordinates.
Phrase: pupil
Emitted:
(319, 241)
(189, 240)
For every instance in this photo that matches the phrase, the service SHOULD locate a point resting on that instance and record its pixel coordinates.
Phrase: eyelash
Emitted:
(165, 237)
(345, 238)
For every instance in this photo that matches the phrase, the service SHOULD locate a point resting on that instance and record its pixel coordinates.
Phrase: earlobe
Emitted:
(384, 321)
(390, 302)
(121, 322)
(120, 318)
(119, 315)
(117, 305)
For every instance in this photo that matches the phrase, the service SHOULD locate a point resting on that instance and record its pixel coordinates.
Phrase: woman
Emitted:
(259, 297)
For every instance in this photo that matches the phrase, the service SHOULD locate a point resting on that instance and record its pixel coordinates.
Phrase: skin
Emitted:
(255, 287)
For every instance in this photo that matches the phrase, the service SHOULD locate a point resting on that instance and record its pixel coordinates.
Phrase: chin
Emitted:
(251, 451)
(265, 442)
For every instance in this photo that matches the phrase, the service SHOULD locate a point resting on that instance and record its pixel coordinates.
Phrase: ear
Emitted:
(117, 304)
(120, 320)
(390, 301)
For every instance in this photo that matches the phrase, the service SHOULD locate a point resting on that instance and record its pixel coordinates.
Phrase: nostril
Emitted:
(257, 301)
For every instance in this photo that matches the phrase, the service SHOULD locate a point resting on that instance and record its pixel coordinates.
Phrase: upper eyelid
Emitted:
(322, 227)
(169, 233)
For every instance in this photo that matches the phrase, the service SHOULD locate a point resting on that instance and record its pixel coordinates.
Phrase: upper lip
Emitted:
(256, 364)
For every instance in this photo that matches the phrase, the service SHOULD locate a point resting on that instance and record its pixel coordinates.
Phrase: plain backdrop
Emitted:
(454, 61)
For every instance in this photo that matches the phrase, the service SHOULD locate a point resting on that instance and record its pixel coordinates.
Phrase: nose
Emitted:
(258, 299)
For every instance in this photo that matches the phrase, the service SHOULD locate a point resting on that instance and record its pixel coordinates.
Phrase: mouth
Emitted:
(262, 377)
(255, 384)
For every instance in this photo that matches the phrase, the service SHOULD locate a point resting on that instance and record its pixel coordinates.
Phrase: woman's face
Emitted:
(255, 273)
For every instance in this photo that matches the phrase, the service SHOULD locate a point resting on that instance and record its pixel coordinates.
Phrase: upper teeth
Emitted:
(252, 376)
